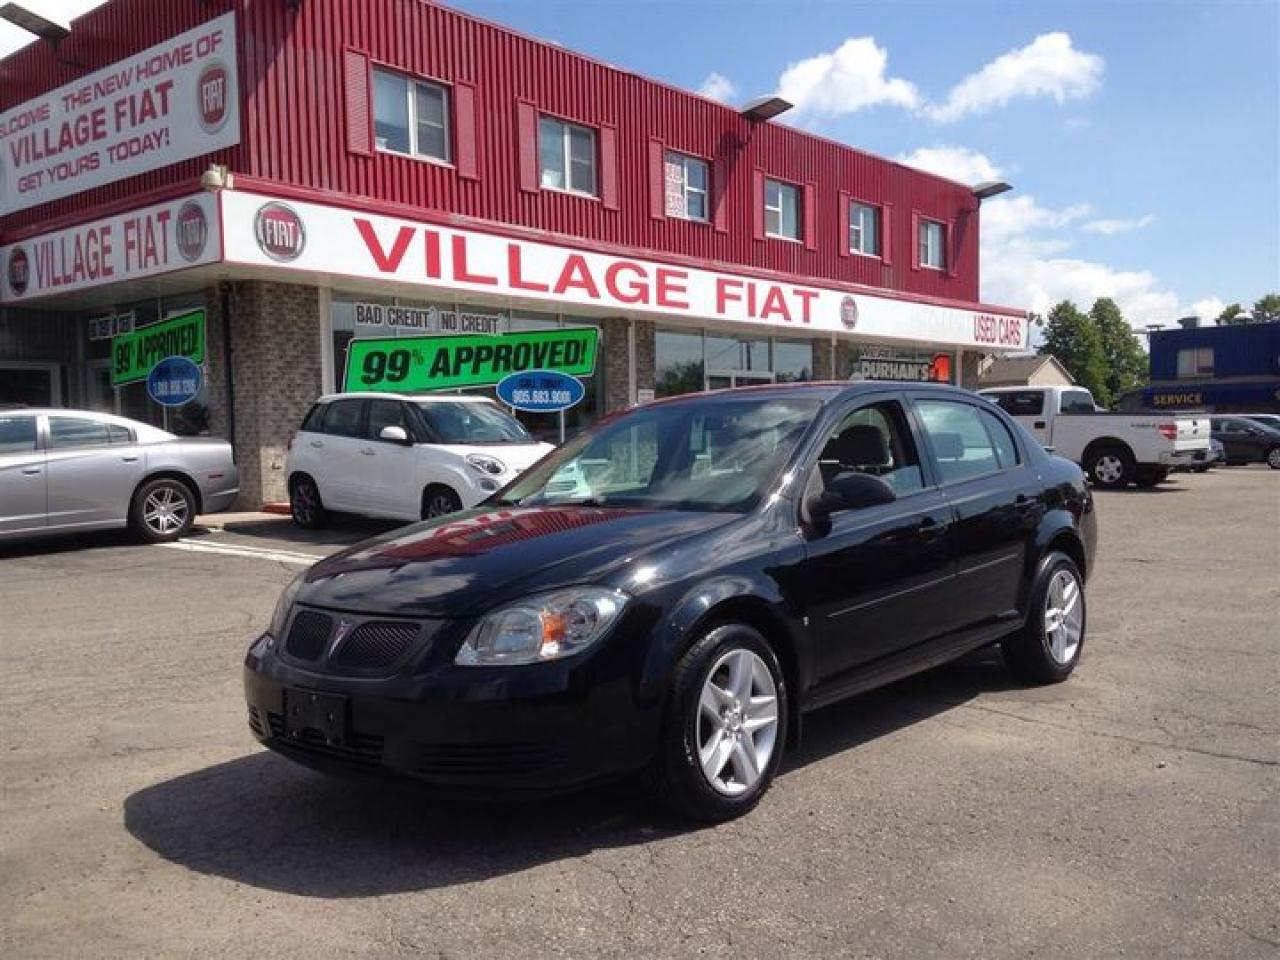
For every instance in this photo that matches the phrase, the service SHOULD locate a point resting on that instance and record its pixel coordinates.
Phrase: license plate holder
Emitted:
(323, 713)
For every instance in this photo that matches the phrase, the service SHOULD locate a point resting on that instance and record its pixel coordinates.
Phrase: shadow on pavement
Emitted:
(261, 820)
(55, 543)
(341, 530)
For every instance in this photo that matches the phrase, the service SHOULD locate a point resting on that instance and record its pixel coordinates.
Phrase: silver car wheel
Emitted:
(737, 727)
(1273, 459)
(1063, 616)
(165, 510)
(1108, 469)
(440, 505)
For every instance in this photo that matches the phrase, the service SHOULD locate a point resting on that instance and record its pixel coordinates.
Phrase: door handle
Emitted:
(30, 471)
(367, 451)
(317, 444)
(133, 458)
(1039, 424)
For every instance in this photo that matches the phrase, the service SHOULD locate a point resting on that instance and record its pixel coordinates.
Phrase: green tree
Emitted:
(1124, 359)
(1230, 315)
(1267, 309)
(1071, 337)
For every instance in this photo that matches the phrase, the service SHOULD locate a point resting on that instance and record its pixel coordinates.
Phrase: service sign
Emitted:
(176, 100)
(352, 243)
(540, 391)
(419, 364)
(141, 243)
(135, 355)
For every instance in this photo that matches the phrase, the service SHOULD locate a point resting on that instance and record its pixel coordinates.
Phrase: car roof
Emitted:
(136, 425)
(414, 397)
(824, 390)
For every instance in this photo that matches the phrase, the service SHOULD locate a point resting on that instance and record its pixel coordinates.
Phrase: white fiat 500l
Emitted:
(404, 457)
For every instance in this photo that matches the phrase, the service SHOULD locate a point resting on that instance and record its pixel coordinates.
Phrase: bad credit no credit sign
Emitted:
(413, 364)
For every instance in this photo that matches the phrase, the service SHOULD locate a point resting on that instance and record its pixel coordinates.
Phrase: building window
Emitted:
(864, 229)
(568, 154)
(410, 116)
(933, 252)
(781, 210)
(1195, 362)
(686, 186)
(691, 361)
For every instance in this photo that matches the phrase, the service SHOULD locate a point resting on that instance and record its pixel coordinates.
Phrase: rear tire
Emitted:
(439, 501)
(1110, 468)
(162, 511)
(305, 505)
(723, 728)
(1049, 645)
(1273, 458)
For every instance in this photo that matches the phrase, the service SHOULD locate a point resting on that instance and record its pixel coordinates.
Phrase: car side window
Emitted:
(1076, 401)
(386, 413)
(1023, 403)
(313, 422)
(961, 445)
(1006, 447)
(66, 433)
(17, 434)
(874, 439)
(344, 417)
(119, 434)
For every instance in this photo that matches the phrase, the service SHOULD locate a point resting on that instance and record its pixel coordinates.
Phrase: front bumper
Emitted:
(536, 728)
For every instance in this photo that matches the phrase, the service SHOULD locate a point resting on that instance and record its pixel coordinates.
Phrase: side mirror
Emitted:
(395, 435)
(849, 491)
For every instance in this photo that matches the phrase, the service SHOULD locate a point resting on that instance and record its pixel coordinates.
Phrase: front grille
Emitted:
(376, 644)
(309, 634)
(486, 759)
(363, 749)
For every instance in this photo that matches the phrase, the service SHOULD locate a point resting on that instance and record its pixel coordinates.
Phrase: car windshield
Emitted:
(458, 422)
(715, 454)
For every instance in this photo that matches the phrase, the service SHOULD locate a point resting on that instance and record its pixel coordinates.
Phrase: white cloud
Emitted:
(958, 163)
(1025, 263)
(1206, 309)
(1109, 228)
(850, 78)
(718, 87)
(11, 37)
(1049, 66)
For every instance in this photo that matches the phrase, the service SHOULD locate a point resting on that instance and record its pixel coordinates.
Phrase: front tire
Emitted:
(162, 511)
(305, 505)
(1110, 468)
(1049, 645)
(1273, 458)
(439, 501)
(724, 726)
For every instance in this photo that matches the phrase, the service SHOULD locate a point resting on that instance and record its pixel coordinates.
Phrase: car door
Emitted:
(876, 579)
(390, 468)
(91, 479)
(1234, 438)
(335, 458)
(23, 476)
(995, 493)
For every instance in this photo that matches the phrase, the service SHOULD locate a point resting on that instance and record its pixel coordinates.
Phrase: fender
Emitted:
(1055, 523)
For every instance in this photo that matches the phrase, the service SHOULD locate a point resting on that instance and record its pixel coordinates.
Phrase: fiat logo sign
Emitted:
(192, 228)
(279, 231)
(849, 312)
(19, 270)
(211, 97)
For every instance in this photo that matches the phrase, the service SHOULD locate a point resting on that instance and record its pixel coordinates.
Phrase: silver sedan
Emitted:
(68, 470)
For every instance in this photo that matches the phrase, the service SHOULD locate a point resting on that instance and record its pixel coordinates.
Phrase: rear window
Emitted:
(70, 432)
(1023, 403)
(1076, 401)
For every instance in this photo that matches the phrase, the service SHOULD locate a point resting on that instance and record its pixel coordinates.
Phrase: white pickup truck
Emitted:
(1115, 449)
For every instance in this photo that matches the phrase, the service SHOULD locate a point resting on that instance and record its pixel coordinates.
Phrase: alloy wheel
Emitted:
(737, 727)
(440, 505)
(1063, 616)
(1273, 459)
(1108, 469)
(304, 502)
(165, 510)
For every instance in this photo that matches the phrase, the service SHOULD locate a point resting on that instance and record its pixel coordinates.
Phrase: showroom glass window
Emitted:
(933, 245)
(691, 361)
(568, 153)
(781, 210)
(410, 116)
(686, 186)
(864, 229)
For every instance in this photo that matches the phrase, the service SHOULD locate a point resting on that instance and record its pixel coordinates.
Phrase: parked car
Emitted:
(1271, 420)
(750, 555)
(1115, 449)
(68, 470)
(1247, 441)
(1215, 456)
(403, 457)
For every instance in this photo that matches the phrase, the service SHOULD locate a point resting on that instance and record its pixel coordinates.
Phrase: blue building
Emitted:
(1223, 369)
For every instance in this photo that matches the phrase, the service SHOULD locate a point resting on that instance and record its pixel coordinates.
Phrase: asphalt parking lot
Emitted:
(1134, 810)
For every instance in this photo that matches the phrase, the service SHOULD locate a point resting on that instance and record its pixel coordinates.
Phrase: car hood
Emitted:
(460, 565)
(517, 456)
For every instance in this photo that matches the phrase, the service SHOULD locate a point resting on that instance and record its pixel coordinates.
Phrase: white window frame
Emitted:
(795, 192)
(565, 132)
(856, 228)
(1200, 361)
(925, 245)
(685, 160)
(411, 85)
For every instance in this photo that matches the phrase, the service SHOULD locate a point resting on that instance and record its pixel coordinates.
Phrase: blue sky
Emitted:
(1142, 139)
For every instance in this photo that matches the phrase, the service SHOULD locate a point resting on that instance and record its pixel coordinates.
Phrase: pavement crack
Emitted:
(1256, 937)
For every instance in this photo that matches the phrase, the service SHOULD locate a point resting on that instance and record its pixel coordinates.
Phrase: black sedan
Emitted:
(1245, 440)
(670, 591)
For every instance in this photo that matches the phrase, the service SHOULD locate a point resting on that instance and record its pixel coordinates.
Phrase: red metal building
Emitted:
(285, 165)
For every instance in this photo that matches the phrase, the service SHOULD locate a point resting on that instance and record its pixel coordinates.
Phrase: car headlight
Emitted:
(280, 618)
(490, 466)
(546, 627)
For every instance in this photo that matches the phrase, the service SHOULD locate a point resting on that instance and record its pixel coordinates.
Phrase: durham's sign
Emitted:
(176, 100)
